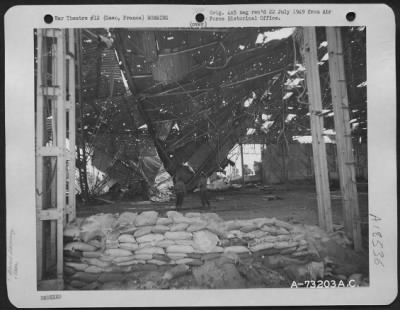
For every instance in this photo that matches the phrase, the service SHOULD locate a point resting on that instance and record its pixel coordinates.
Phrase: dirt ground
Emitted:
(294, 203)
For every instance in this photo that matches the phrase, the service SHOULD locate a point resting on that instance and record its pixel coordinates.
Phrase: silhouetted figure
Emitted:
(203, 190)
(180, 190)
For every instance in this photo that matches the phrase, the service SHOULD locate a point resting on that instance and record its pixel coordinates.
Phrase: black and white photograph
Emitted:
(202, 158)
(207, 158)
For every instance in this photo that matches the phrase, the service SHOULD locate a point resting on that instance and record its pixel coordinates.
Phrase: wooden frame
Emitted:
(60, 211)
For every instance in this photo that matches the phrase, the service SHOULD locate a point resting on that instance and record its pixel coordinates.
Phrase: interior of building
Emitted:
(200, 158)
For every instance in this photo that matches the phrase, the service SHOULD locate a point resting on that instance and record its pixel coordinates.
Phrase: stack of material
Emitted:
(107, 247)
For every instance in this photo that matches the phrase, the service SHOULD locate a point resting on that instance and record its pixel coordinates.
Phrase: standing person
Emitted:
(203, 190)
(180, 190)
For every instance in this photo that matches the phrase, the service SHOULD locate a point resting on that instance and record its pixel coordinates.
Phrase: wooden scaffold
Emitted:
(55, 150)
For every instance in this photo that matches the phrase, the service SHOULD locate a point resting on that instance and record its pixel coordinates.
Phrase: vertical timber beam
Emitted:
(71, 210)
(39, 159)
(346, 162)
(318, 144)
(61, 138)
(242, 162)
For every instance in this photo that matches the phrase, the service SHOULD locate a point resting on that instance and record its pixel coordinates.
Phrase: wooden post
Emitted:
(316, 120)
(242, 161)
(71, 210)
(346, 161)
(39, 159)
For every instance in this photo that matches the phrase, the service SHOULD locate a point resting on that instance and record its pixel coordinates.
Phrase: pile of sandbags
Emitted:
(106, 247)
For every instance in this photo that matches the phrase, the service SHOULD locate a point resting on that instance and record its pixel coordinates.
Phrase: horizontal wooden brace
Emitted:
(50, 151)
(49, 91)
(50, 214)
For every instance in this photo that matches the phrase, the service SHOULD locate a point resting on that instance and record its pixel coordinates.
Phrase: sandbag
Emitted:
(289, 250)
(268, 239)
(143, 256)
(178, 227)
(217, 249)
(184, 242)
(175, 235)
(283, 224)
(282, 231)
(129, 229)
(194, 255)
(156, 262)
(193, 214)
(164, 221)
(205, 240)
(117, 252)
(272, 230)
(85, 276)
(210, 256)
(77, 266)
(106, 258)
(211, 217)
(216, 229)
(87, 235)
(184, 261)
(143, 231)
(264, 221)
(180, 249)
(130, 263)
(126, 218)
(77, 283)
(91, 254)
(196, 227)
(232, 225)
(175, 272)
(126, 238)
(81, 246)
(236, 249)
(99, 221)
(163, 257)
(129, 246)
(68, 271)
(121, 259)
(146, 245)
(73, 254)
(160, 229)
(146, 218)
(150, 238)
(193, 262)
(72, 259)
(261, 246)
(96, 262)
(165, 243)
(255, 234)
(95, 243)
(72, 230)
(235, 234)
(284, 244)
(248, 228)
(94, 269)
(283, 238)
(175, 256)
(150, 250)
